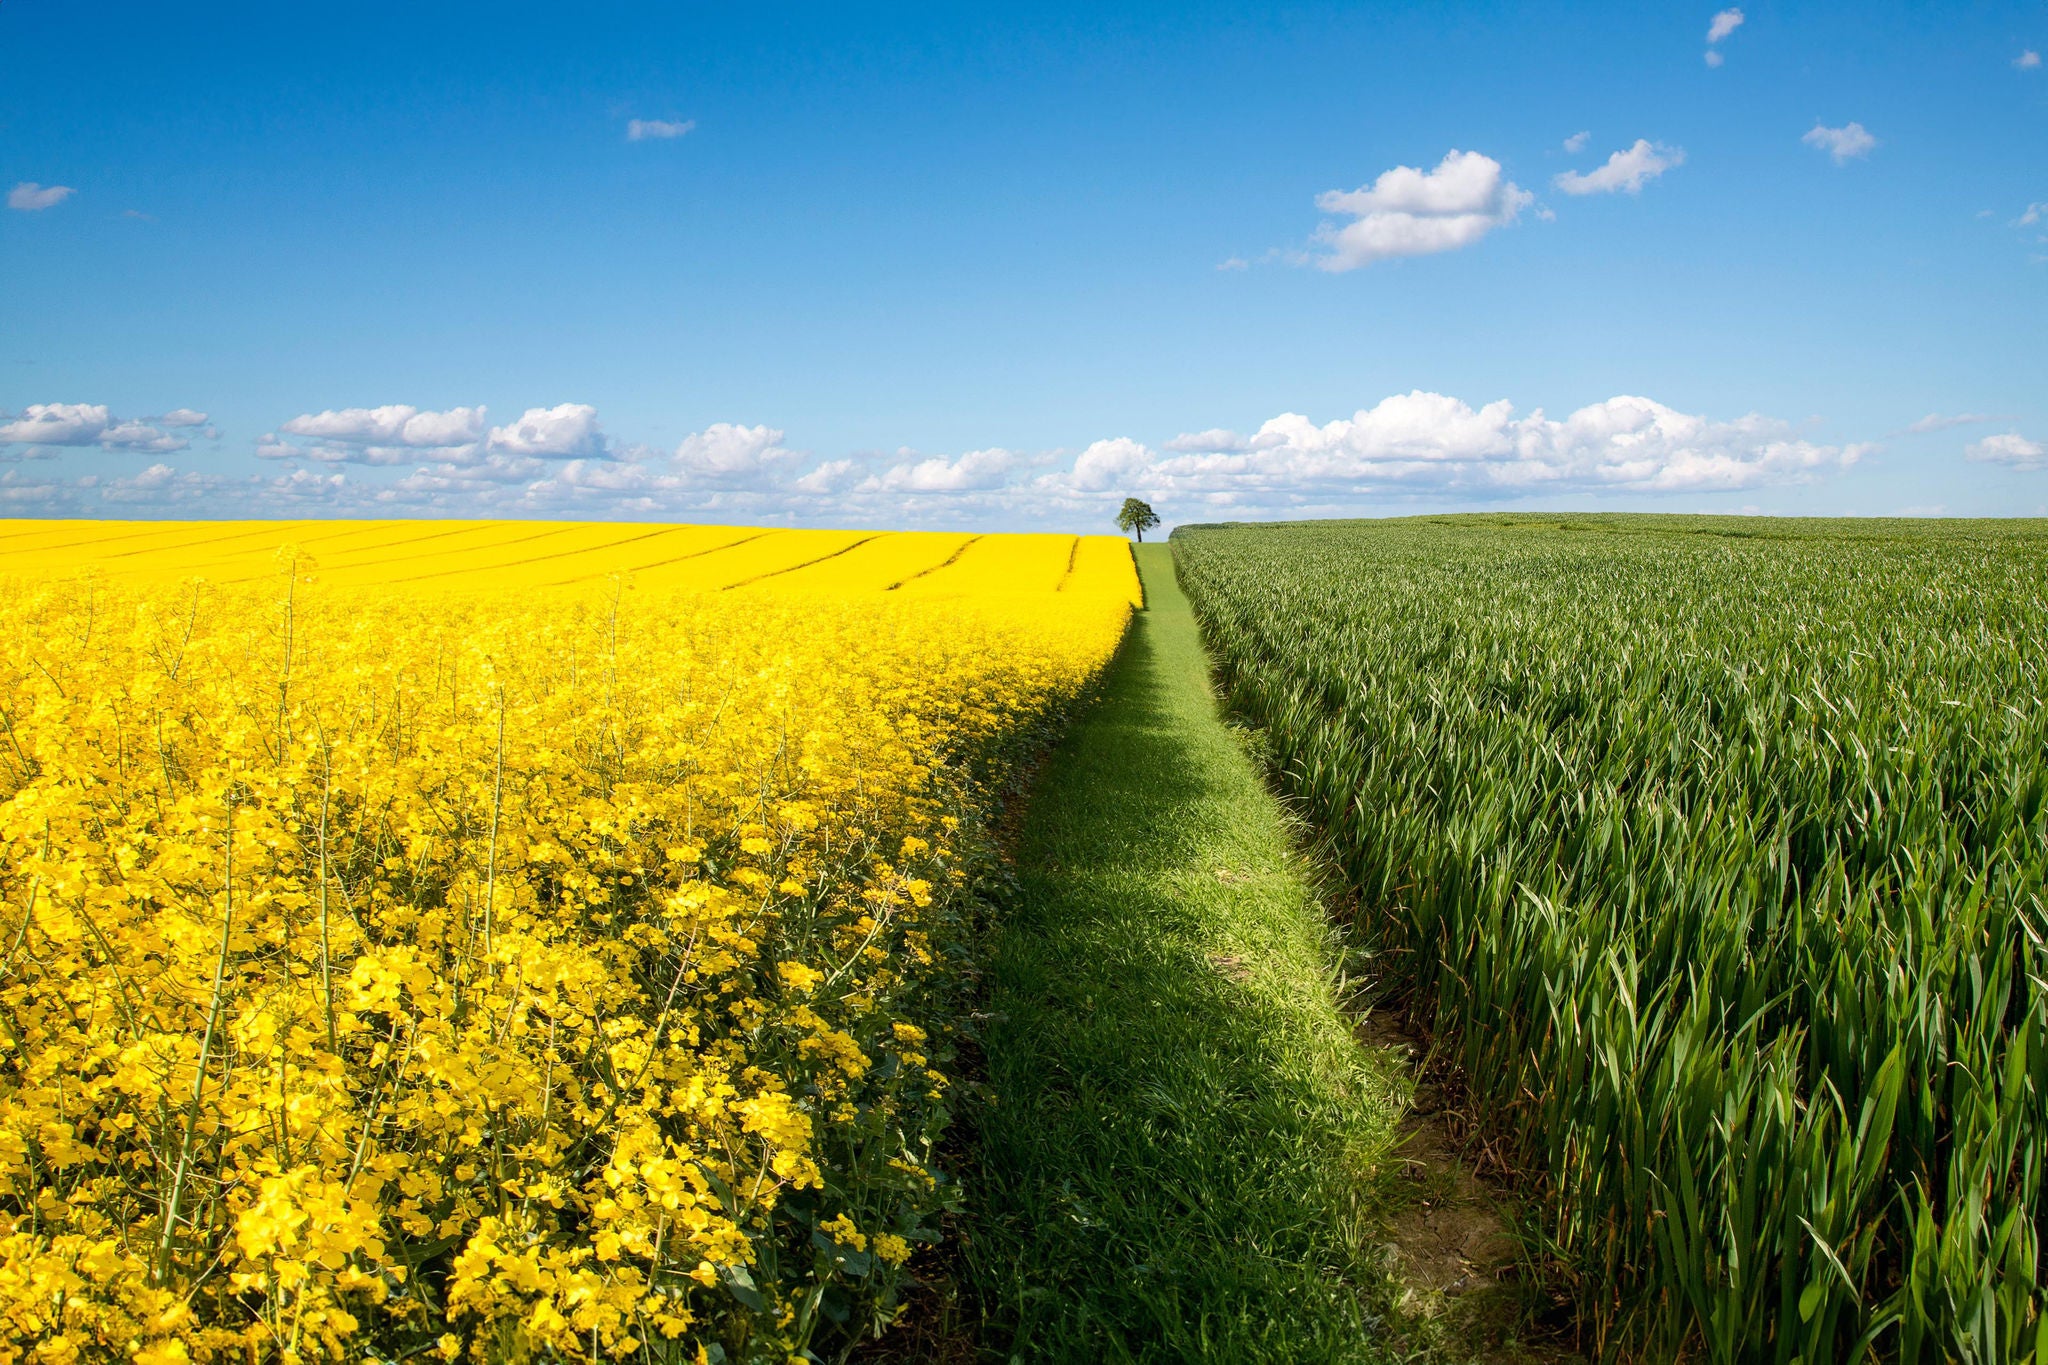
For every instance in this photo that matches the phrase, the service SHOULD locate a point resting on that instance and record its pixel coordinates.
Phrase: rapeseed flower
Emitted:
(554, 975)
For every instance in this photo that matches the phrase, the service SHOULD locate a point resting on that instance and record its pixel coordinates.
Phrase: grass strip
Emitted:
(1178, 1162)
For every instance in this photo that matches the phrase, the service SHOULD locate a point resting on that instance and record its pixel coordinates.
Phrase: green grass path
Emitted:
(1177, 1163)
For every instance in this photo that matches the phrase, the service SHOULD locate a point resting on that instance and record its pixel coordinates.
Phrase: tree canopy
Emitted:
(1137, 517)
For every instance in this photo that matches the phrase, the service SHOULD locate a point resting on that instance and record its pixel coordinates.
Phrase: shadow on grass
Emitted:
(1176, 1159)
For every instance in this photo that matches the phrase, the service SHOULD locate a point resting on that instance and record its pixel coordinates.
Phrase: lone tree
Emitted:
(1137, 517)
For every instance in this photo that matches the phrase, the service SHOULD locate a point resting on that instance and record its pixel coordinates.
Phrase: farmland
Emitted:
(554, 554)
(1711, 854)
(504, 941)
(492, 940)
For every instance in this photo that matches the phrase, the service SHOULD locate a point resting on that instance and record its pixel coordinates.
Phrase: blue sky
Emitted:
(927, 266)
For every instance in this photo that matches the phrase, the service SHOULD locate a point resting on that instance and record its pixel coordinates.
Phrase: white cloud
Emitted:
(2009, 448)
(30, 197)
(156, 476)
(565, 431)
(976, 470)
(642, 129)
(615, 485)
(1724, 23)
(2027, 61)
(89, 424)
(709, 467)
(1234, 263)
(394, 434)
(57, 424)
(1850, 140)
(181, 417)
(162, 486)
(1106, 464)
(727, 451)
(1419, 447)
(1935, 421)
(1626, 170)
(395, 424)
(608, 476)
(1423, 441)
(494, 467)
(1577, 142)
(1215, 438)
(1411, 212)
(455, 443)
(140, 436)
(832, 476)
(2033, 214)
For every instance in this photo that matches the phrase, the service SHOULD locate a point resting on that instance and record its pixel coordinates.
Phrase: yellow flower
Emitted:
(840, 1229)
(798, 977)
(477, 927)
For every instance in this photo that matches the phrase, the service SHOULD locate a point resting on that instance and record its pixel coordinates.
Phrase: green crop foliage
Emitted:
(1712, 851)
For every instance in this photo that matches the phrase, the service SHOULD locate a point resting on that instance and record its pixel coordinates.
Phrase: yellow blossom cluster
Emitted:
(396, 974)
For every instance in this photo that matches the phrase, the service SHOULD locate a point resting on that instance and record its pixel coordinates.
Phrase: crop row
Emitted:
(1714, 858)
(391, 976)
(500, 555)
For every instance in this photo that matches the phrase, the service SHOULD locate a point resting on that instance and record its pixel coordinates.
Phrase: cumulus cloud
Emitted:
(1629, 169)
(493, 467)
(1408, 211)
(2027, 61)
(457, 438)
(2009, 448)
(181, 417)
(1844, 143)
(140, 436)
(727, 451)
(1233, 263)
(831, 476)
(394, 434)
(643, 129)
(976, 470)
(1577, 142)
(163, 487)
(395, 424)
(1431, 441)
(1215, 438)
(89, 424)
(708, 469)
(57, 424)
(1420, 447)
(1106, 464)
(30, 197)
(565, 431)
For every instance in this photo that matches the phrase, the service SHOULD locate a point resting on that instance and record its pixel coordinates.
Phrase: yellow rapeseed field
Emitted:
(493, 940)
